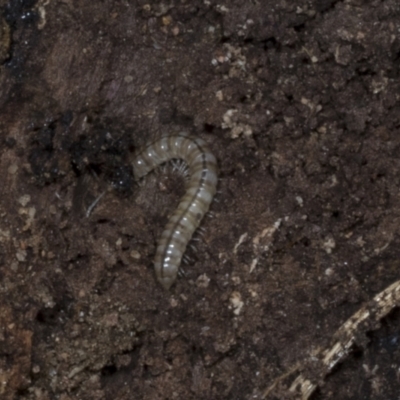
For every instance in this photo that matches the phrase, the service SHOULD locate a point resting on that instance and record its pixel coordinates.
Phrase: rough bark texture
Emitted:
(299, 100)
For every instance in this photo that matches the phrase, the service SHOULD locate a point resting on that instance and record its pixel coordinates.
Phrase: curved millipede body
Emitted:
(200, 190)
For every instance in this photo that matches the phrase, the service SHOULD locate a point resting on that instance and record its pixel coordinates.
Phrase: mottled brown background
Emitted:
(299, 100)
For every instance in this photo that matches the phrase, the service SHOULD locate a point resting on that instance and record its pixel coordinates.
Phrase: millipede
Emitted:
(201, 187)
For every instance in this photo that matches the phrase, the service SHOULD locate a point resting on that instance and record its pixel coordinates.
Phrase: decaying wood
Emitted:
(315, 369)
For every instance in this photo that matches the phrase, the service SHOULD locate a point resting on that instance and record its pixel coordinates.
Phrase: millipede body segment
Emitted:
(200, 190)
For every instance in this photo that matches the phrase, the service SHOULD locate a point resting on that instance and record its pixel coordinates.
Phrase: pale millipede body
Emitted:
(200, 190)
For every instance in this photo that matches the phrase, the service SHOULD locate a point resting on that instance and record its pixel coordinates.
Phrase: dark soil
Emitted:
(300, 102)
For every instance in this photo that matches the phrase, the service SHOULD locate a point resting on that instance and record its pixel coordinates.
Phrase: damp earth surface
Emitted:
(300, 103)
